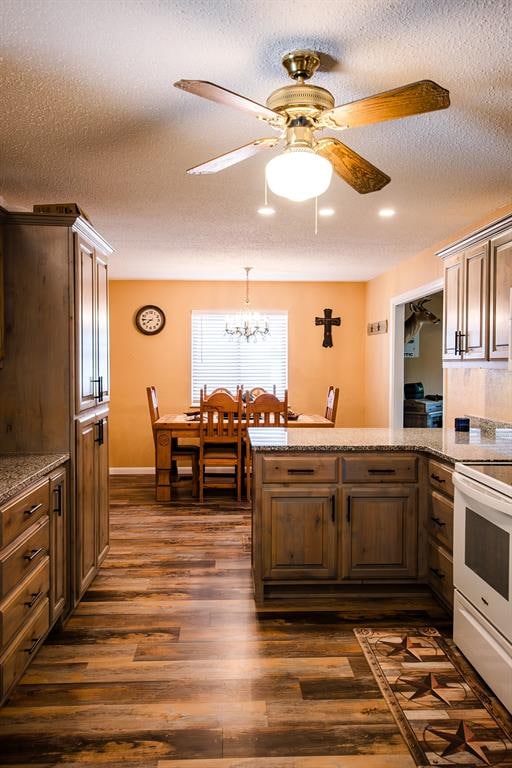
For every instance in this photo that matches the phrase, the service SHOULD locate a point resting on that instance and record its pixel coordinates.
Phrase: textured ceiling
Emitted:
(89, 115)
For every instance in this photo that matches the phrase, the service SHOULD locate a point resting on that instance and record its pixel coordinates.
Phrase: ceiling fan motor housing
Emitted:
(300, 99)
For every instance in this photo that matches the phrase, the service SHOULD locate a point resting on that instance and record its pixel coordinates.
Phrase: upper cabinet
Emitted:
(92, 355)
(477, 285)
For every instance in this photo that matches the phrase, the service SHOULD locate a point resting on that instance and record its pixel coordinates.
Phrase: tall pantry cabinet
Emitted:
(54, 383)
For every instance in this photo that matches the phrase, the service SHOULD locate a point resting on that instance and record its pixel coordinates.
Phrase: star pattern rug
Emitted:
(444, 711)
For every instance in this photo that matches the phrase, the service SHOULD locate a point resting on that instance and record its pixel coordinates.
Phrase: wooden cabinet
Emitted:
(499, 296)
(33, 572)
(323, 523)
(299, 533)
(380, 532)
(440, 530)
(55, 379)
(59, 526)
(92, 352)
(91, 519)
(477, 285)
(465, 304)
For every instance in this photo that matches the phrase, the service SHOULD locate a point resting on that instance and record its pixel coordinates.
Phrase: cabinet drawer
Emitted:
(23, 556)
(440, 519)
(18, 655)
(384, 468)
(24, 601)
(440, 477)
(440, 572)
(22, 512)
(300, 469)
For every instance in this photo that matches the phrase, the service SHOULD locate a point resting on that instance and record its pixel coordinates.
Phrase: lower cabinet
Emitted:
(440, 530)
(33, 572)
(380, 532)
(91, 513)
(326, 523)
(300, 533)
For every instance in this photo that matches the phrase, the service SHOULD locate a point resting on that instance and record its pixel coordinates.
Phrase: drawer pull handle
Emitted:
(35, 552)
(381, 471)
(438, 479)
(35, 598)
(438, 573)
(32, 648)
(32, 509)
(301, 471)
(484, 601)
(438, 521)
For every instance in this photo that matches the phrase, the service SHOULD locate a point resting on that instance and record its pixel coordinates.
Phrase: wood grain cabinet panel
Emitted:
(380, 532)
(299, 533)
(440, 477)
(22, 556)
(499, 296)
(18, 515)
(59, 524)
(21, 651)
(380, 468)
(452, 306)
(473, 344)
(23, 601)
(300, 469)
(440, 565)
(440, 519)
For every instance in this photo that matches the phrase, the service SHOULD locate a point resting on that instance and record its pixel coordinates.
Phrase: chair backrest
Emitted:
(220, 417)
(331, 407)
(267, 410)
(239, 388)
(255, 391)
(154, 413)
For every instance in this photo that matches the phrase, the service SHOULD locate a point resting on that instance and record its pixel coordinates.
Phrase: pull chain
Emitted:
(316, 215)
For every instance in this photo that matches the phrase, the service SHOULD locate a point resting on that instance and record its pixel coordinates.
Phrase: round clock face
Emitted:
(150, 319)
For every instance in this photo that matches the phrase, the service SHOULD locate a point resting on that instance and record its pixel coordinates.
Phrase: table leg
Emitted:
(163, 463)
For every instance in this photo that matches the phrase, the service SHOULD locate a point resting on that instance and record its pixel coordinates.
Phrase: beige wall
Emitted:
(475, 391)
(164, 360)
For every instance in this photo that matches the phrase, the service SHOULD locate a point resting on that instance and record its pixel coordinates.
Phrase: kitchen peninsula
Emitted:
(359, 511)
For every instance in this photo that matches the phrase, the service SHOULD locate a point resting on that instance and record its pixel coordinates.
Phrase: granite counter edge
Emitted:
(25, 470)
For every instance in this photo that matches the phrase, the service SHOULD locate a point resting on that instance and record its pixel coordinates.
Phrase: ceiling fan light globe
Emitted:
(298, 174)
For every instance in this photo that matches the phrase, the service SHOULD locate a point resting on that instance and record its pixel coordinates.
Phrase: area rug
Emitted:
(445, 713)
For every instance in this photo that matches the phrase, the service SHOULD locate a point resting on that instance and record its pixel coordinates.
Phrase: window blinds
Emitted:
(219, 360)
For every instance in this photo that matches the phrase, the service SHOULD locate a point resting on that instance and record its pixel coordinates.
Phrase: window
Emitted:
(219, 360)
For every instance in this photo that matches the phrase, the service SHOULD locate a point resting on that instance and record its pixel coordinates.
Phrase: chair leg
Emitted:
(195, 476)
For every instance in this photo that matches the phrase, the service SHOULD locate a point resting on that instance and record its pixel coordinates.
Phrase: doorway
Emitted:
(425, 365)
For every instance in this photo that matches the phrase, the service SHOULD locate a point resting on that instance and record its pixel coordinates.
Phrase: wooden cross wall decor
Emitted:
(327, 321)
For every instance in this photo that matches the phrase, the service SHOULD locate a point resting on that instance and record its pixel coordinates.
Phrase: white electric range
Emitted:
(482, 571)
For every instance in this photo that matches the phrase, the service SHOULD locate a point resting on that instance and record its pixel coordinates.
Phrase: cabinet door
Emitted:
(500, 298)
(474, 325)
(102, 336)
(452, 306)
(299, 533)
(85, 311)
(102, 478)
(380, 532)
(86, 501)
(58, 544)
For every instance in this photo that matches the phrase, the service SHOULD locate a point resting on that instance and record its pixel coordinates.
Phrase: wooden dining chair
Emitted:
(255, 391)
(220, 443)
(265, 410)
(331, 407)
(178, 450)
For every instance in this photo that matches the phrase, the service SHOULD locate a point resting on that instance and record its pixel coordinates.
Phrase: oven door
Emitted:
(482, 550)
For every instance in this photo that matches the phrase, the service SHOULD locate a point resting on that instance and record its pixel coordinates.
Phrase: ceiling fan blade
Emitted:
(235, 156)
(412, 99)
(216, 93)
(354, 169)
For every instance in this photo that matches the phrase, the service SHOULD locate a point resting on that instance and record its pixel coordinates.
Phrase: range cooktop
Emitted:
(496, 475)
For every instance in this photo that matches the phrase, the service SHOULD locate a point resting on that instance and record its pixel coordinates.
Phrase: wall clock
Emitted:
(150, 319)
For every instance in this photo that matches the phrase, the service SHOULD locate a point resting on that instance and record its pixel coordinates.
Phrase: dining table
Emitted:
(176, 425)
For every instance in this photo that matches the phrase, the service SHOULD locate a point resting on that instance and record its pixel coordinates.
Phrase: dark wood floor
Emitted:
(166, 663)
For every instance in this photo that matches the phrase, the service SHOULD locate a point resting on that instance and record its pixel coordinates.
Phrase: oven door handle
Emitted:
(483, 495)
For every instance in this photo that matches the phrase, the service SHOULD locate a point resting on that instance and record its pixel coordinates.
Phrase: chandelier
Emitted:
(247, 324)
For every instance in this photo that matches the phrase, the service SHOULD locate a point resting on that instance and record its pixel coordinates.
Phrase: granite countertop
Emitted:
(18, 471)
(447, 444)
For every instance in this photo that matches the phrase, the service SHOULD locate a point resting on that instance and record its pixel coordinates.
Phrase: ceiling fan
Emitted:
(298, 111)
